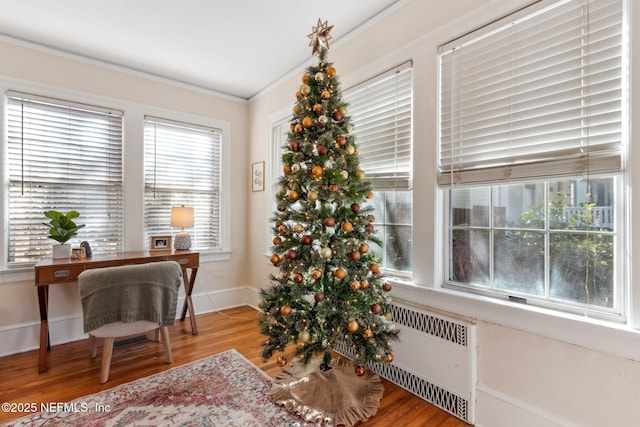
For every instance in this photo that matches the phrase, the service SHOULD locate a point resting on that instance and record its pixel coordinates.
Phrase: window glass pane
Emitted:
(519, 206)
(581, 204)
(398, 207)
(519, 261)
(470, 206)
(581, 268)
(398, 247)
(379, 203)
(470, 257)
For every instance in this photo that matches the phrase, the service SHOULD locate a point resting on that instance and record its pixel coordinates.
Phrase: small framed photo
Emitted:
(160, 243)
(257, 176)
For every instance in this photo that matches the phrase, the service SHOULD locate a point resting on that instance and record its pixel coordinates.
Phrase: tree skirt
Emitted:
(221, 390)
(333, 397)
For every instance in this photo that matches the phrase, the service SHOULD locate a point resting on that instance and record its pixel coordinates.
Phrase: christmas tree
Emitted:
(329, 289)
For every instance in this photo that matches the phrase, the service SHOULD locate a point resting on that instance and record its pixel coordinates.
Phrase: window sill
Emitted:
(608, 337)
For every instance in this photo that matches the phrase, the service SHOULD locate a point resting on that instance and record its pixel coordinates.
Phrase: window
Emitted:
(62, 156)
(532, 135)
(381, 113)
(183, 167)
(279, 126)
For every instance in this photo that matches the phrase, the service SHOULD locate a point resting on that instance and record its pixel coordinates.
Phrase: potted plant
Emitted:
(61, 229)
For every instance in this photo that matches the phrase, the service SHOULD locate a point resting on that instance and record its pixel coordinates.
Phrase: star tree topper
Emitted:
(320, 36)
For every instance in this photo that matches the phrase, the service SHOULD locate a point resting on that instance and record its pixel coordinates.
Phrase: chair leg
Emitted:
(107, 351)
(93, 346)
(166, 343)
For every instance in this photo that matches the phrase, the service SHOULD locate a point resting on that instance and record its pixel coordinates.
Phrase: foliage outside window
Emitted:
(381, 113)
(531, 148)
(183, 167)
(62, 156)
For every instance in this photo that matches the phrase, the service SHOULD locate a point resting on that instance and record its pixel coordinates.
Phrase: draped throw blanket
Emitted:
(130, 293)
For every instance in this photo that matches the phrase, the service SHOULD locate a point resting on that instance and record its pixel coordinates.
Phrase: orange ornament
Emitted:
(285, 310)
(340, 274)
(277, 240)
(374, 267)
(307, 121)
(347, 226)
(316, 274)
(364, 248)
(298, 128)
(325, 94)
(286, 169)
(367, 334)
(317, 108)
(353, 326)
(369, 195)
(275, 259)
(293, 195)
(282, 361)
(317, 171)
(331, 71)
(305, 78)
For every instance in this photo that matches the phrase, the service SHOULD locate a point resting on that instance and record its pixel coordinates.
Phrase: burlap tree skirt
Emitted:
(333, 397)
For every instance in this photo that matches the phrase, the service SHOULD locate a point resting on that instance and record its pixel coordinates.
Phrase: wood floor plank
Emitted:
(72, 373)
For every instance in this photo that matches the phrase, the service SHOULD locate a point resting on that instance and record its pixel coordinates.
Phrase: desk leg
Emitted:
(45, 343)
(188, 303)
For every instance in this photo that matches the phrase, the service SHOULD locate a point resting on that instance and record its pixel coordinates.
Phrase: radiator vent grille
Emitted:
(441, 328)
(423, 322)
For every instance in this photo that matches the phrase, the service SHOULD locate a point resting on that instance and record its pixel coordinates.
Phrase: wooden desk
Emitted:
(51, 271)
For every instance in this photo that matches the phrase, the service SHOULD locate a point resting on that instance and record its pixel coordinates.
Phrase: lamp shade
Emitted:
(181, 217)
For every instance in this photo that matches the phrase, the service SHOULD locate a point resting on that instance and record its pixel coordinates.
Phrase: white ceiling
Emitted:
(235, 47)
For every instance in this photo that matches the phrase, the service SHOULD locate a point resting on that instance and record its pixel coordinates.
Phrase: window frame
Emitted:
(85, 113)
(387, 179)
(621, 268)
(201, 225)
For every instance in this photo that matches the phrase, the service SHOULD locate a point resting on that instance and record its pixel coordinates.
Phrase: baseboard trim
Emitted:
(496, 409)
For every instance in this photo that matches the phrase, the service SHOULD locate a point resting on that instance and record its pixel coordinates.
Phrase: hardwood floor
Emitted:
(73, 374)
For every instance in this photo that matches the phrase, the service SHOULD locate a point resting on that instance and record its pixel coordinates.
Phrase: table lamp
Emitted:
(182, 217)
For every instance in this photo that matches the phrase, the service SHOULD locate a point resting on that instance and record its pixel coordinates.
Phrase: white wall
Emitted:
(535, 367)
(219, 283)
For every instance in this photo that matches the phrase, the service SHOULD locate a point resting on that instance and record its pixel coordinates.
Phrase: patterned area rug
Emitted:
(221, 390)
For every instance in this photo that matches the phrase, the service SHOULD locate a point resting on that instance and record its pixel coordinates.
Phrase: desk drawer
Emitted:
(58, 274)
(188, 260)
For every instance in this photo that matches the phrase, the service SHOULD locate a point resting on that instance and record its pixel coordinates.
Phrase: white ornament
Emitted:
(319, 77)
(295, 168)
(323, 119)
(344, 174)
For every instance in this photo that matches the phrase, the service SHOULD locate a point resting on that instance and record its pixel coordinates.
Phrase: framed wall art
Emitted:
(257, 176)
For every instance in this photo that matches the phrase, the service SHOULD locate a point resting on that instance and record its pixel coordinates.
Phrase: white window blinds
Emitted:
(183, 167)
(536, 94)
(62, 156)
(381, 112)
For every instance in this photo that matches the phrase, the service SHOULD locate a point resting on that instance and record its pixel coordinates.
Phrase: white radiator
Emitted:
(434, 359)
